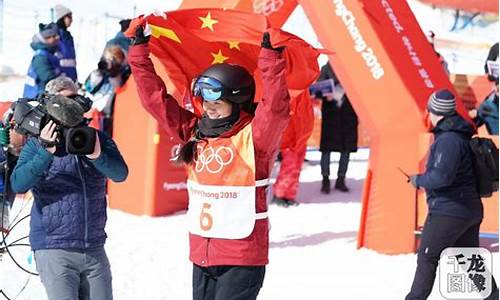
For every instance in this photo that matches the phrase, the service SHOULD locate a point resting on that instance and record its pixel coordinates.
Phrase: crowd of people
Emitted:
(229, 256)
(54, 56)
(68, 215)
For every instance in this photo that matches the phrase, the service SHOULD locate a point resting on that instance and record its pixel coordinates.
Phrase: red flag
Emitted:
(301, 123)
(188, 41)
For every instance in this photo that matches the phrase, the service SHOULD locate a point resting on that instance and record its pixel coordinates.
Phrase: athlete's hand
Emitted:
(266, 43)
(139, 37)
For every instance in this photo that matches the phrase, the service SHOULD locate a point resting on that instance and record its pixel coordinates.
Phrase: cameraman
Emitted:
(69, 211)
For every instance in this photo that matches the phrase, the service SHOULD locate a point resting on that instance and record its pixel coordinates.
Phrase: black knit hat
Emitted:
(442, 103)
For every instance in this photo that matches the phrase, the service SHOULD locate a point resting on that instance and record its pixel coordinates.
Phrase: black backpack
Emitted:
(485, 161)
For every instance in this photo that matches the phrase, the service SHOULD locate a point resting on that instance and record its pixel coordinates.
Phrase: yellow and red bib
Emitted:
(221, 186)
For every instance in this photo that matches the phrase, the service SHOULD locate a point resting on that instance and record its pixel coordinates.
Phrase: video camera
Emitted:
(31, 115)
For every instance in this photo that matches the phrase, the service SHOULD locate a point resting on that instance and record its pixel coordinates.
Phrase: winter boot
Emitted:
(325, 185)
(283, 202)
(279, 201)
(340, 184)
(291, 202)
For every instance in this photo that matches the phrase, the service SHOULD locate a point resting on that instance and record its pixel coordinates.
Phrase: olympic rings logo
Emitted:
(213, 160)
(267, 7)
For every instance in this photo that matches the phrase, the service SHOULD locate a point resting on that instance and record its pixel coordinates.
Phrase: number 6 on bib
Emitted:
(206, 220)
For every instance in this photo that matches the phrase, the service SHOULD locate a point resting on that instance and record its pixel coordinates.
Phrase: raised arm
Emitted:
(154, 97)
(31, 166)
(272, 114)
(110, 161)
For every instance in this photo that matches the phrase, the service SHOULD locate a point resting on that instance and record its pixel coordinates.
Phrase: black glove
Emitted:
(139, 36)
(266, 43)
(413, 180)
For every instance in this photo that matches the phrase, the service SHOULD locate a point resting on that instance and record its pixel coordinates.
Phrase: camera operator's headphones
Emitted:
(225, 81)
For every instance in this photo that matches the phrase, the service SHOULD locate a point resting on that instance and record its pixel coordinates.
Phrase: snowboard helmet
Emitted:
(225, 81)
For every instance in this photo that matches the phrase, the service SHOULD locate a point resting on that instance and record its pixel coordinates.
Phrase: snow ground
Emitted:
(313, 251)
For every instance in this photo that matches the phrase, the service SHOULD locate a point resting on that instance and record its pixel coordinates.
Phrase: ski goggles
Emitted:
(209, 89)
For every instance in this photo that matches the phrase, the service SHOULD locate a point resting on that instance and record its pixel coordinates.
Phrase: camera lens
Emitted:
(79, 140)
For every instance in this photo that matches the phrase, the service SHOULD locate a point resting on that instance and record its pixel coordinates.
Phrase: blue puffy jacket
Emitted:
(69, 211)
(67, 54)
(449, 179)
(488, 113)
(43, 68)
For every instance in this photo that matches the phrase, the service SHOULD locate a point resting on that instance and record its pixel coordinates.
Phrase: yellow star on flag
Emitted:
(234, 44)
(157, 31)
(208, 22)
(218, 58)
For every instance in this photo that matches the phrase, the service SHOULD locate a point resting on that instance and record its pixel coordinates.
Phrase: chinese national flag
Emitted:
(188, 41)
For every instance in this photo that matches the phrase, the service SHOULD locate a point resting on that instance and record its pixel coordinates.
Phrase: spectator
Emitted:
(69, 211)
(112, 72)
(487, 113)
(120, 39)
(293, 151)
(66, 54)
(11, 144)
(492, 57)
(44, 64)
(455, 208)
(339, 131)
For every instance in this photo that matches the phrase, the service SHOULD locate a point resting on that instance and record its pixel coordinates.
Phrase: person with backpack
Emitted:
(455, 207)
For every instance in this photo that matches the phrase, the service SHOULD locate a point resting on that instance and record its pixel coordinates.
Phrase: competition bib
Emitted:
(221, 186)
